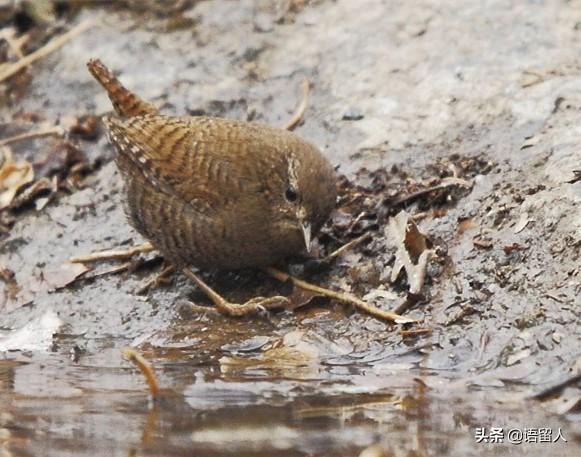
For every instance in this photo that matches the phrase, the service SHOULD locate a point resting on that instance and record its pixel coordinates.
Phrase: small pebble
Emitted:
(352, 114)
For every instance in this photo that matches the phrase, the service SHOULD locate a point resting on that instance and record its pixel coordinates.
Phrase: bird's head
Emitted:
(307, 192)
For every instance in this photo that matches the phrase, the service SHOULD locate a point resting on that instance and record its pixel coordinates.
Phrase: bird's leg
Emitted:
(159, 279)
(341, 296)
(350, 245)
(253, 306)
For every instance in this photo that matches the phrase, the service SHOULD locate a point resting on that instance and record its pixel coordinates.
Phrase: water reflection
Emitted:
(52, 405)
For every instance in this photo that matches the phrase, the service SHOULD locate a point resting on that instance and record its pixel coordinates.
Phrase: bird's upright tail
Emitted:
(125, 102)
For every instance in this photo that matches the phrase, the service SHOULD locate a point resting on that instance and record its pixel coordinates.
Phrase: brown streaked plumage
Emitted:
(212, 192)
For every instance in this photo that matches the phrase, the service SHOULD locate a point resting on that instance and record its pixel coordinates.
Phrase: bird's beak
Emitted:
(306, 227)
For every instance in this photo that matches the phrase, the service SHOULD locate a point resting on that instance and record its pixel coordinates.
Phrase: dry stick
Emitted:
(446, 182)
(145, 368)
(49, 131)
(350, 245)
(47, 49)
(14, 43)
(416, 332)
(343, 297)
(300, 111)
(109, 271)
(113, 254)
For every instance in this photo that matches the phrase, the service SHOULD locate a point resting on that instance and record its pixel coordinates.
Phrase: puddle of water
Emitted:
(221, 405)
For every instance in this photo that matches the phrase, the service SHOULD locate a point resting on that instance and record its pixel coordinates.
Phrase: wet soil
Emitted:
(405, 94)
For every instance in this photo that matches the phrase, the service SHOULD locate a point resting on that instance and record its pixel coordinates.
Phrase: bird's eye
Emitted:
(291, 194)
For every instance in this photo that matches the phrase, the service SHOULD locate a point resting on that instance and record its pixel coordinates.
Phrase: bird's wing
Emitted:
(205, 161)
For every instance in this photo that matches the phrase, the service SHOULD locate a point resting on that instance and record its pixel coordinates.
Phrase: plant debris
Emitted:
(11, 69)
(47, 279)
(146, 370)
(301, 108)
(12, 288)
(413, 250)
(13, 176)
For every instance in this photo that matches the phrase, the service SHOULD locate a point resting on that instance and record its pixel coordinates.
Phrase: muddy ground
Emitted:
(489, 92)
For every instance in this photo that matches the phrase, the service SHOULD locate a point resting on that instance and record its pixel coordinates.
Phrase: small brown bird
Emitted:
(217, 193)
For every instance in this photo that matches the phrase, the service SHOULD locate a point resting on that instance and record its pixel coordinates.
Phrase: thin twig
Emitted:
(47, 49)
(557, 299)
(300, 111)
(415, 332)
(145, 368)
(113, 254)
(446, 182)
(14, 43)
(343, 297)
(49, 131)
(347, 246)
(111, 271)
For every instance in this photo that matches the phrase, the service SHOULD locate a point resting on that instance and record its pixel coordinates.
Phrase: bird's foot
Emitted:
(340, 296)
(160, 279)
(256, 305)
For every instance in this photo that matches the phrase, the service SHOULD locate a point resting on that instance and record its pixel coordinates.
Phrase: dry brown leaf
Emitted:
(63, 275)
(50, 279)
(412, 250)
(483, 243)
(43, 185)
(13, 176)
(11, 286)
(522, 223)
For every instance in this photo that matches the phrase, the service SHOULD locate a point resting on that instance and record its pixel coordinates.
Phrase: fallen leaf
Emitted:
(41, 186)
(7, 276)
(522, 223)
(48, 280)
(12, 177)
(465, 225)
(412, 252)
(576, 177)
(482, 243)
(63, 275)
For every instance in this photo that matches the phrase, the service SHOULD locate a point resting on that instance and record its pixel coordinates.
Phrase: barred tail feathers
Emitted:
(125, 102)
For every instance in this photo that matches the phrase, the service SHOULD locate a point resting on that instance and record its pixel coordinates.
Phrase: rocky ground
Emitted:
(406, 95)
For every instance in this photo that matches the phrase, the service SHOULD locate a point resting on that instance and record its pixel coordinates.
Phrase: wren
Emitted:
(216, 193)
